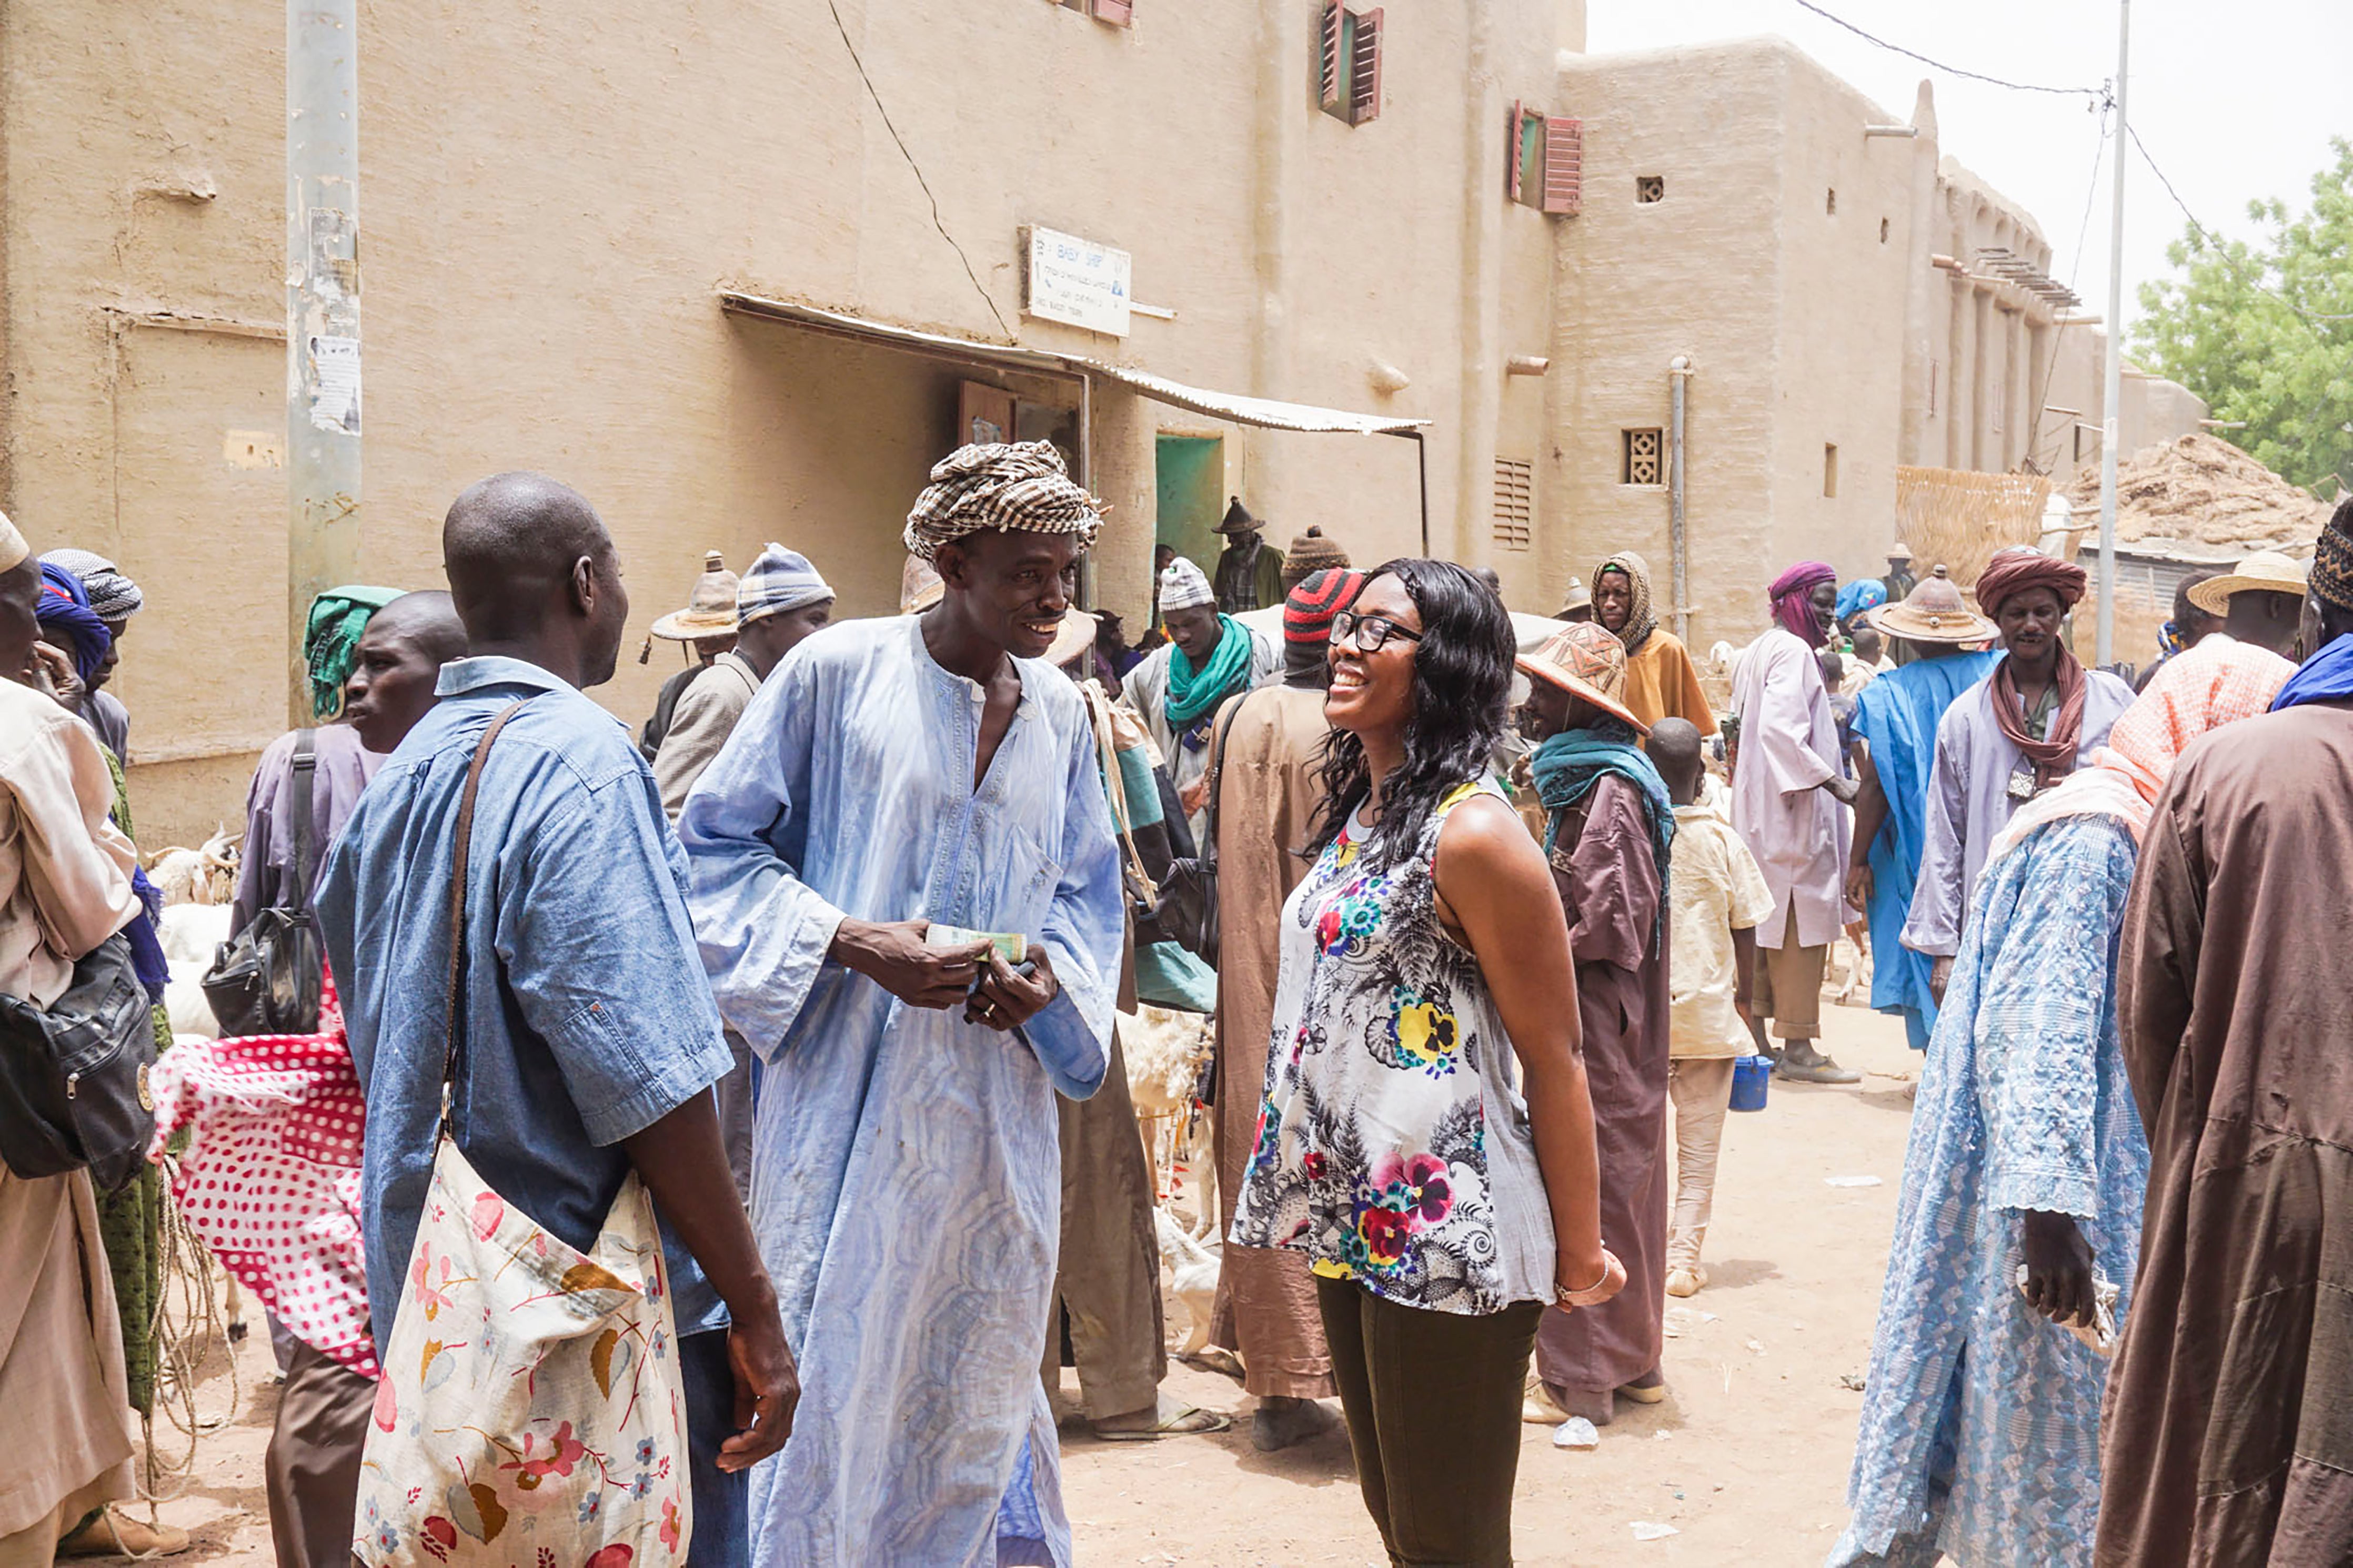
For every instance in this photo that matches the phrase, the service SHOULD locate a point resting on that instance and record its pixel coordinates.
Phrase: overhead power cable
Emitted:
(2208, 240)
(937, 222)
(2095, 93)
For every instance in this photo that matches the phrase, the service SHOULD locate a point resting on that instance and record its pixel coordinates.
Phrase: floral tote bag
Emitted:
(530, 1412)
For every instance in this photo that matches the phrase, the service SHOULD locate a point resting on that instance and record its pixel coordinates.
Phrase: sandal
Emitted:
(111, 1534)
(1189, 1422)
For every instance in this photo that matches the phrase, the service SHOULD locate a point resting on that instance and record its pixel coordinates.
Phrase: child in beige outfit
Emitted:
(1716, 897)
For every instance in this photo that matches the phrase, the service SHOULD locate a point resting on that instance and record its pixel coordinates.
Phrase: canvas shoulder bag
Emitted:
(265, 979)
(530, 1411)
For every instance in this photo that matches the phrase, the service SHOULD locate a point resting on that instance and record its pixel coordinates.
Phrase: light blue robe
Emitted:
(1980, 1433)
(906, 1166)
(1896, 716)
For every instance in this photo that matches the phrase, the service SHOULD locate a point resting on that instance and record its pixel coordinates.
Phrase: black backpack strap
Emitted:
(306, 770)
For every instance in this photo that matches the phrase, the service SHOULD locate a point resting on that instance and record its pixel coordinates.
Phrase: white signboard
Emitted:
(1077, 282)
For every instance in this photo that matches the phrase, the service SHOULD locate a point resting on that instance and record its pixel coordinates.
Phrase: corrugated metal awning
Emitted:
(1264, 412)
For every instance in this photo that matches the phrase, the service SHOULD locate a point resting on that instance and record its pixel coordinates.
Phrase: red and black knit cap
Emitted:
(1307, 613)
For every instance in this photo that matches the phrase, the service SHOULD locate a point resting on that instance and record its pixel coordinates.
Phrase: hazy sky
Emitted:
(2235, 99)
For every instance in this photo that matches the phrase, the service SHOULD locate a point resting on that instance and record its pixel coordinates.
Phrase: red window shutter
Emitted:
(1564, 166)
(1512, 153)
(1119, 13)
(1331, 75)
(1364, 70)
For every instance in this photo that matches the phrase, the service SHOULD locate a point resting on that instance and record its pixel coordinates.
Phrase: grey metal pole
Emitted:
(2112, 399)
(323, 315)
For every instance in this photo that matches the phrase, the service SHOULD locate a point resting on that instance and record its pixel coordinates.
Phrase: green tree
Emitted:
(2264, 331)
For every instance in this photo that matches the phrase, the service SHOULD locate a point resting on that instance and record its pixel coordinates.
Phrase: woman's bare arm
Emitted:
(1494, 890)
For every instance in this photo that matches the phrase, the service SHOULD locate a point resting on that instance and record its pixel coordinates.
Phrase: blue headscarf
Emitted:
(1567, 767)
(2326, 676)
(1863, 593)
(65, 614)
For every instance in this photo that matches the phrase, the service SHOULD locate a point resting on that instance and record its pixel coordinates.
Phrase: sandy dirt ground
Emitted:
(1746, 1459)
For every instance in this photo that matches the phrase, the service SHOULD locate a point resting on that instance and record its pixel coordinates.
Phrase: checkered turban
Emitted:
(1002, 484)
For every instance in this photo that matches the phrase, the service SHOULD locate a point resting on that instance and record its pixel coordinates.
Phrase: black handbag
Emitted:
(266, 980)
(73, 1078)
(1188, 901)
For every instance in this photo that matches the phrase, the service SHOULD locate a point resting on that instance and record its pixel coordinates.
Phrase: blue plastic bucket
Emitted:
(1749, 1077)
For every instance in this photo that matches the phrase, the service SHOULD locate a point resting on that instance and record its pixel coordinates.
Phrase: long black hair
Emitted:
(1461, 694)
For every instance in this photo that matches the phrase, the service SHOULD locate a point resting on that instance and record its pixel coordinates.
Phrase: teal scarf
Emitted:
(1194, 693)
(1568, 765)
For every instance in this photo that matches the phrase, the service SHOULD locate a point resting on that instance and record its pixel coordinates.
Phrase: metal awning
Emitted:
(1262, 412)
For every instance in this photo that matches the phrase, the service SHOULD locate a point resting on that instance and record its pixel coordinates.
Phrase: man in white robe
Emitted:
(1787, 788)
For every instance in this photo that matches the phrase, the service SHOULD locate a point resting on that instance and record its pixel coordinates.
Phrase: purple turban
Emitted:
(1790, 604)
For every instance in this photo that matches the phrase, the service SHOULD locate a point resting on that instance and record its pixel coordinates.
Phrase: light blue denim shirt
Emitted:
(587, 1017)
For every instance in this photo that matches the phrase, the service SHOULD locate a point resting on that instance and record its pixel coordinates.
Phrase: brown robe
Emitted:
(1610, 885)
(1266, 1308)
(2228, 1435)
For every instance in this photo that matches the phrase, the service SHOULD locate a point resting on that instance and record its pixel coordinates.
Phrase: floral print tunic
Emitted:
(1392, 1146)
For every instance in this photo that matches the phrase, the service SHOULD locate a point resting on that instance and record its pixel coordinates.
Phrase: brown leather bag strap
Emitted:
(458, 906)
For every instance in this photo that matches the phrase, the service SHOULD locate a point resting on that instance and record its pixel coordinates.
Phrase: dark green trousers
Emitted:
(1434, 1407)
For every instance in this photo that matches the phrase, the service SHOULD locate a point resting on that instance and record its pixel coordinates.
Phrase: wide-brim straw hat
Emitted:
(1073, 637)
(2265, 571)
(1933, 611)
(710, 610)
(1577, 597)
(1587, 661)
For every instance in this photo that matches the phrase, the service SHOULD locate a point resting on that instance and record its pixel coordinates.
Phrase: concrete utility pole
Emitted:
(323, 315)
(2112, 424)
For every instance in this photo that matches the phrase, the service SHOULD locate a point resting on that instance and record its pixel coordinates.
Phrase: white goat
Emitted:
(1192, 1276)
(206, 875)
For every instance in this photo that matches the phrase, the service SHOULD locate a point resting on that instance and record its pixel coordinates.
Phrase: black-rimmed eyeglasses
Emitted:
(1370, 634)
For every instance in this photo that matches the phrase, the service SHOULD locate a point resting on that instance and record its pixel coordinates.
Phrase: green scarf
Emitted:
(1192, 694)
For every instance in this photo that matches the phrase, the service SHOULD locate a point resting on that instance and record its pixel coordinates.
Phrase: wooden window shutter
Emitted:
(1512, 153)
(1514, 496)
(1364, 70)
(1564, 166)
(1331, 75)
(1119, 13)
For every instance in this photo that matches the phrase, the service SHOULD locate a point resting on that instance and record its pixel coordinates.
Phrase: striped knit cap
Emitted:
(2332, 559)
(1307, 613)
(1001, 484)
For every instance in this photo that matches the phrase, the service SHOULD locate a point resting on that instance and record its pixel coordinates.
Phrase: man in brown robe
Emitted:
(1609, 821)
(2228, 1437)
(1267, 789)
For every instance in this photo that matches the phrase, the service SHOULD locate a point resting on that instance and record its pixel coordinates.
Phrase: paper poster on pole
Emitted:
(1076, 281)
(334, 383)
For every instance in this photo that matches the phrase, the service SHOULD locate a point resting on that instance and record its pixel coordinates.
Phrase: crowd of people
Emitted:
(778, 1044)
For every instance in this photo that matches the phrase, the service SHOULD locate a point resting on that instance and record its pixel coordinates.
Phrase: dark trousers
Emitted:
(311, 1469)
(1434, 1407)
(723, 1502)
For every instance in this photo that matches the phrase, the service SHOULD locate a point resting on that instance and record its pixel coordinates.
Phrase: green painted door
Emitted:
(1192, 482)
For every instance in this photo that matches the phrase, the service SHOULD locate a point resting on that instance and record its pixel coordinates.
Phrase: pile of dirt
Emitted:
(2200, 491)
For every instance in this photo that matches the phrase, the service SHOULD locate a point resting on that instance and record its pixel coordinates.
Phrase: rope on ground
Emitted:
(188, 1322)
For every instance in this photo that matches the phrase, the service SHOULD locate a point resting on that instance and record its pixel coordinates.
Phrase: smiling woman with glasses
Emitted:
(1441, 1212)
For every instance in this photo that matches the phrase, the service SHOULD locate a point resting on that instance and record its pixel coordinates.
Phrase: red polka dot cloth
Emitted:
(271, 1179)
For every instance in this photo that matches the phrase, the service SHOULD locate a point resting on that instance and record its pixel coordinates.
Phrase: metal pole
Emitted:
(323, 315)
(1679, 370)
(2103, 644)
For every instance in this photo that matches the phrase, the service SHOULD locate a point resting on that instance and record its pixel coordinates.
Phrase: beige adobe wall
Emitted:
(1793, 318)
(552, 197)
(1845, 300)
(2154, 411)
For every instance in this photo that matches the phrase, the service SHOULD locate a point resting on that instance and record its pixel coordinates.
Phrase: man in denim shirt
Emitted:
(589, 1042)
